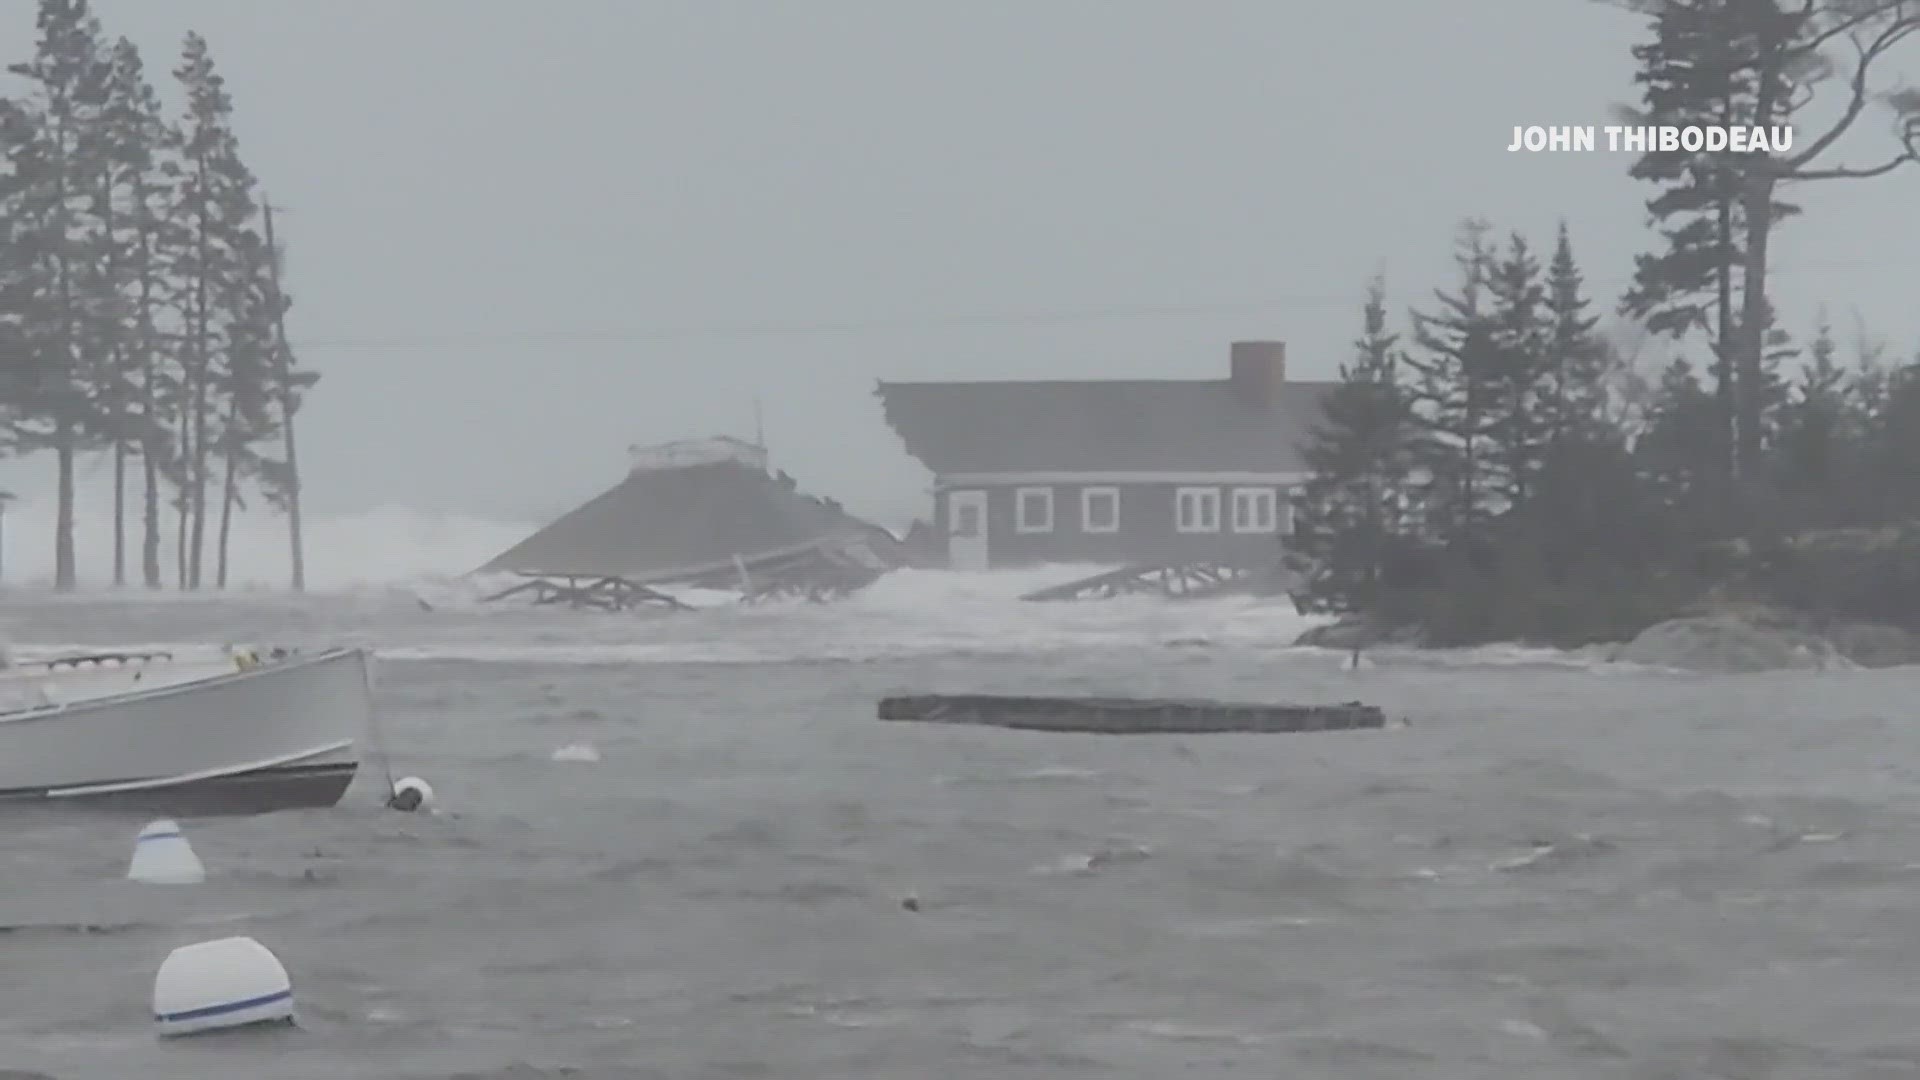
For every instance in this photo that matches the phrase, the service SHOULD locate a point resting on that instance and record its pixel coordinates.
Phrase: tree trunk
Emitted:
(197, 396)
(229, 494)
(1757, 195)
(116, 398)
(65, 578)
(293, 501)
(150, 543)
(149, 411)
(197, 463)
(1749, 374)
(119, 513)
(1725, 395)
(182, 503)
(1753, 337)
(283, 368)
(180, 540)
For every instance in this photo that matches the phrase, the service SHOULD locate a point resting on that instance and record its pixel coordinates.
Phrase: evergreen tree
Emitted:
(1678, 451)
(1696, 70)
(53, 147)
(1456, 366)
(1519, 423)
(1355, 505)
(1580, 365)
(140, 308)
(1774, 387)
(129, 134)
(142, 174)
(280, 479)
(248, 381)
(1893, 448)
(1793, 46)
(1809, 449)
(215, 205)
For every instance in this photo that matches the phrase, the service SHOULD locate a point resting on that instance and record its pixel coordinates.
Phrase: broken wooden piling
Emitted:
(1128, 716)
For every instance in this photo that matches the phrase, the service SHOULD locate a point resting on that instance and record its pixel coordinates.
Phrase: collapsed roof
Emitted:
(697, 509)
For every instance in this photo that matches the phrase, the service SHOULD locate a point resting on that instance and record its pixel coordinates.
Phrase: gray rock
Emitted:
(1728, 644)
(1339, 635)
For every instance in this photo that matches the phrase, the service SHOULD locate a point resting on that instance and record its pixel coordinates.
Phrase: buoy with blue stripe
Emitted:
(216, 985)
(162, 856)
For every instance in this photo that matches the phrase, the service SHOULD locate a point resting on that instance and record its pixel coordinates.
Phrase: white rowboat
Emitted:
(221, 737)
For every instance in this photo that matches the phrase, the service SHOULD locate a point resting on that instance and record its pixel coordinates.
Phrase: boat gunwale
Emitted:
(94, 704)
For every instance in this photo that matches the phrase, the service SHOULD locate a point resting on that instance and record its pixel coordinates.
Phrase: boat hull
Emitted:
(261, 792)
(280, 736)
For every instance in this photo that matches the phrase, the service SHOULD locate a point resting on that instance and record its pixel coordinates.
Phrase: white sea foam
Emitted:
(388, 546)
(397, 579)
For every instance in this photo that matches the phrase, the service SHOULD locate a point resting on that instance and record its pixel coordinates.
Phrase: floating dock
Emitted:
(1128, 716)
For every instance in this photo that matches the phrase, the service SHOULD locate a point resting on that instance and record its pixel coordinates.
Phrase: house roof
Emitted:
(1130, 425)
(676, 523)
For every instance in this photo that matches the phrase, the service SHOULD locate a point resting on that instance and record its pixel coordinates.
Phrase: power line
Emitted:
(983, 320)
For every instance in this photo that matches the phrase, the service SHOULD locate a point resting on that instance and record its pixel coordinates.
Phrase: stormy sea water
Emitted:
(1561, 868)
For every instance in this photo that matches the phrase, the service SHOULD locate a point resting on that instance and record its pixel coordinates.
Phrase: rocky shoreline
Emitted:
(1733, 640)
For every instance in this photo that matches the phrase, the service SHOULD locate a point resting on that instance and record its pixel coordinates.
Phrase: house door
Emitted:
(967, 530)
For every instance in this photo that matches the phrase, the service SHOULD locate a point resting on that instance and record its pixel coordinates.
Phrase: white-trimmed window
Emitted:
(1100, 509)
(1256, 510)
(1196, 509)
(1033, 510)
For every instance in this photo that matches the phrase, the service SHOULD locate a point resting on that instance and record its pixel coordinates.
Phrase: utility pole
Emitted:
(283, 357)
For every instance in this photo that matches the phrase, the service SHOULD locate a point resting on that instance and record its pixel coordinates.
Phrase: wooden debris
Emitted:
(819, 576)
(1128, 716)
(600, 593)
(1177, 581)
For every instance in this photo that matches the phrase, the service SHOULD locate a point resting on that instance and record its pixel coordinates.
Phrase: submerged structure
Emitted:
(1128, 716)
(702, 513)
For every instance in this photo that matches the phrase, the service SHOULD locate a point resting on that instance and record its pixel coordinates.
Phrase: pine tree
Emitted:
(1678, 451)
(54, 148)
(1355, 505)
(24, 285)
(1893, 448)
(143, 171)
(1810, 446)
(129, 133)
(1454, 367)
(1790, 47)
(215, 205)
(1518, 427)
(140, 307)
(248, 380)
(1696, 71)
(280, 479)
(1580, 365)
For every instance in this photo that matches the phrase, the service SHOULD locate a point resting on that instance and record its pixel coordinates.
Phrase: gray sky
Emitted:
(524, 235)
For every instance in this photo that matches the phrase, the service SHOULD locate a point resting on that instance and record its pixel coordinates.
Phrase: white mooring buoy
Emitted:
(411, 793)
(215, 985)
(162, 856)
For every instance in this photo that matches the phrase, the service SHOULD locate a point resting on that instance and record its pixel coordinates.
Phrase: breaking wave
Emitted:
(388, 546)
(396, 579)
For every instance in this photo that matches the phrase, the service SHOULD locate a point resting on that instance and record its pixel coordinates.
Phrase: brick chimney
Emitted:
(1259, 370)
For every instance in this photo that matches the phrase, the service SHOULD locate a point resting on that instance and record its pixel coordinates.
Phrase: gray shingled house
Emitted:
(1121, 471)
